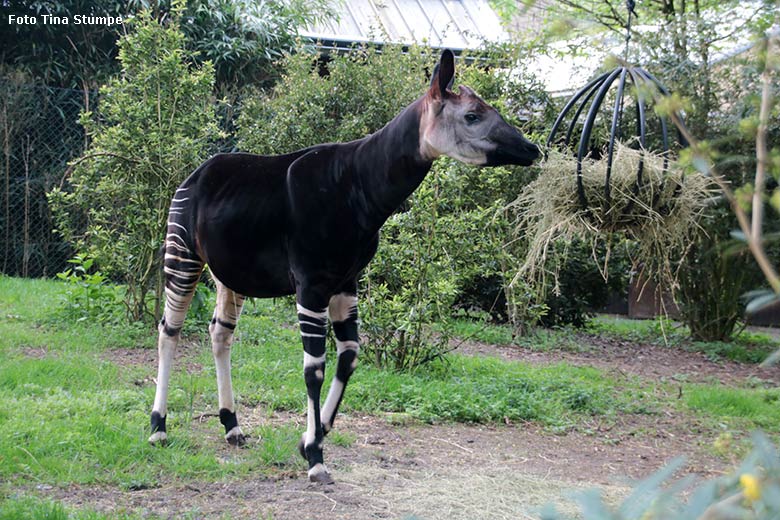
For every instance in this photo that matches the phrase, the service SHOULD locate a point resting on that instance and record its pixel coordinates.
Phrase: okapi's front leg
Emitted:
(313, 323)
(344, 317)
(226, 314)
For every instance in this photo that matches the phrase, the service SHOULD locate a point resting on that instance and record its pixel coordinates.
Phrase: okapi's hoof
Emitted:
(236, 437)
(320, 474)
(158, 439)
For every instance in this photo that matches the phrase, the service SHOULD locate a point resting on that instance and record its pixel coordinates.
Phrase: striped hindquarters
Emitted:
(181, 264)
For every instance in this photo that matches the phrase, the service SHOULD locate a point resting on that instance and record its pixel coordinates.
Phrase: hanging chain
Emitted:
(630, 5)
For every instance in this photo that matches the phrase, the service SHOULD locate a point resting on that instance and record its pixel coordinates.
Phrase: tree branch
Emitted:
(92, 156)
(762, 154)
(605, 20)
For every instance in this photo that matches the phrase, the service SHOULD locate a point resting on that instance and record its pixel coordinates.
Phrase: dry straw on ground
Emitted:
(661, 215)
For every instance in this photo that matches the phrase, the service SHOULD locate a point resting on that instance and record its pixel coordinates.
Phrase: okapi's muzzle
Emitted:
(511, 148)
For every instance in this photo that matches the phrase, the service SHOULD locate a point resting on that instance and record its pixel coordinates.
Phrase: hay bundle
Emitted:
(661, 215)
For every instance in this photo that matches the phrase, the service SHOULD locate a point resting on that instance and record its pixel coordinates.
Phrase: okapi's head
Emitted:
(464, 127)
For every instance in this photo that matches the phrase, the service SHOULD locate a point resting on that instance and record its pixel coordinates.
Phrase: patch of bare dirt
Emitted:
(633, 359)
(186, 354)
(36, 352)
(429, 471)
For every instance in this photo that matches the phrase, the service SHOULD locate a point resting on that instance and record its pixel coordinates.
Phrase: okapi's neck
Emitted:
(389, 165)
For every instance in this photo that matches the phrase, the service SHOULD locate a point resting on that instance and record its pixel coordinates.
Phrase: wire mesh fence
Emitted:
(39, 134)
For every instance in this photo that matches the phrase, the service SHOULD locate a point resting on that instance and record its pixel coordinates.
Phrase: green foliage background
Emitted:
(155, 126)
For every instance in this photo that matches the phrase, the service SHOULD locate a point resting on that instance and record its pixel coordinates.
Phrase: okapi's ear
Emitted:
(443, 74)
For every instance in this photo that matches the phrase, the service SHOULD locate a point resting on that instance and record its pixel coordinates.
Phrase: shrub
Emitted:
(89, 296)
(348, 97)
(155, 123)
(243, 39)
(409, 286)
(580, 286)
(712, 281)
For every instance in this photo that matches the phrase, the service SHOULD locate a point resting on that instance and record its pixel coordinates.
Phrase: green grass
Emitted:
(486, 332)
(741, 408)
(749, 408)
(540, 339)
(20, 507)
(745, 347)
(72, 415)
(658, 331)
(30, 508)
(738, 350)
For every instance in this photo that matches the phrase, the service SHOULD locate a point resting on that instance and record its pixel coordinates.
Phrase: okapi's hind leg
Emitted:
(182, 268)
(226, 314)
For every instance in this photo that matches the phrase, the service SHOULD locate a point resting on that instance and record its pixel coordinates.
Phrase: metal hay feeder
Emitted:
(592, 96)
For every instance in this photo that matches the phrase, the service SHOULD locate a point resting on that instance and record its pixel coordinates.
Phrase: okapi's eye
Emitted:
(471, 118)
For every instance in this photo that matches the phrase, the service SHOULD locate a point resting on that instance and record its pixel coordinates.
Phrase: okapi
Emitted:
(307, 223)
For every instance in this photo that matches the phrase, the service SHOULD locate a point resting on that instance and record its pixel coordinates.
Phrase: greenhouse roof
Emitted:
(455, 24)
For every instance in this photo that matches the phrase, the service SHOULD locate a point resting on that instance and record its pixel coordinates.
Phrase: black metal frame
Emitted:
(597, 90)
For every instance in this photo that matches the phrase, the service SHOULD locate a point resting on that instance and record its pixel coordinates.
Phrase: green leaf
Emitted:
(774, 200)
(593, 507)
(648, 491)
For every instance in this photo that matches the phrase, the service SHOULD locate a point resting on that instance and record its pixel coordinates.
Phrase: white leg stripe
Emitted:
(177, 247)
(165, 349)
(235, 431)
(228, 309)
(158, 437)
(224, 384)
(310, 426)
(182, 274)
(334, 394)
(180, 259)
(313, 324)
(309, 360)
(342, 306)
(317, 469)
(321, 315)
(341, 346)
(308, 335)
(174, 235)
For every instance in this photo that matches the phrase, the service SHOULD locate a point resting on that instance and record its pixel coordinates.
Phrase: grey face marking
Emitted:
(462, 126)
